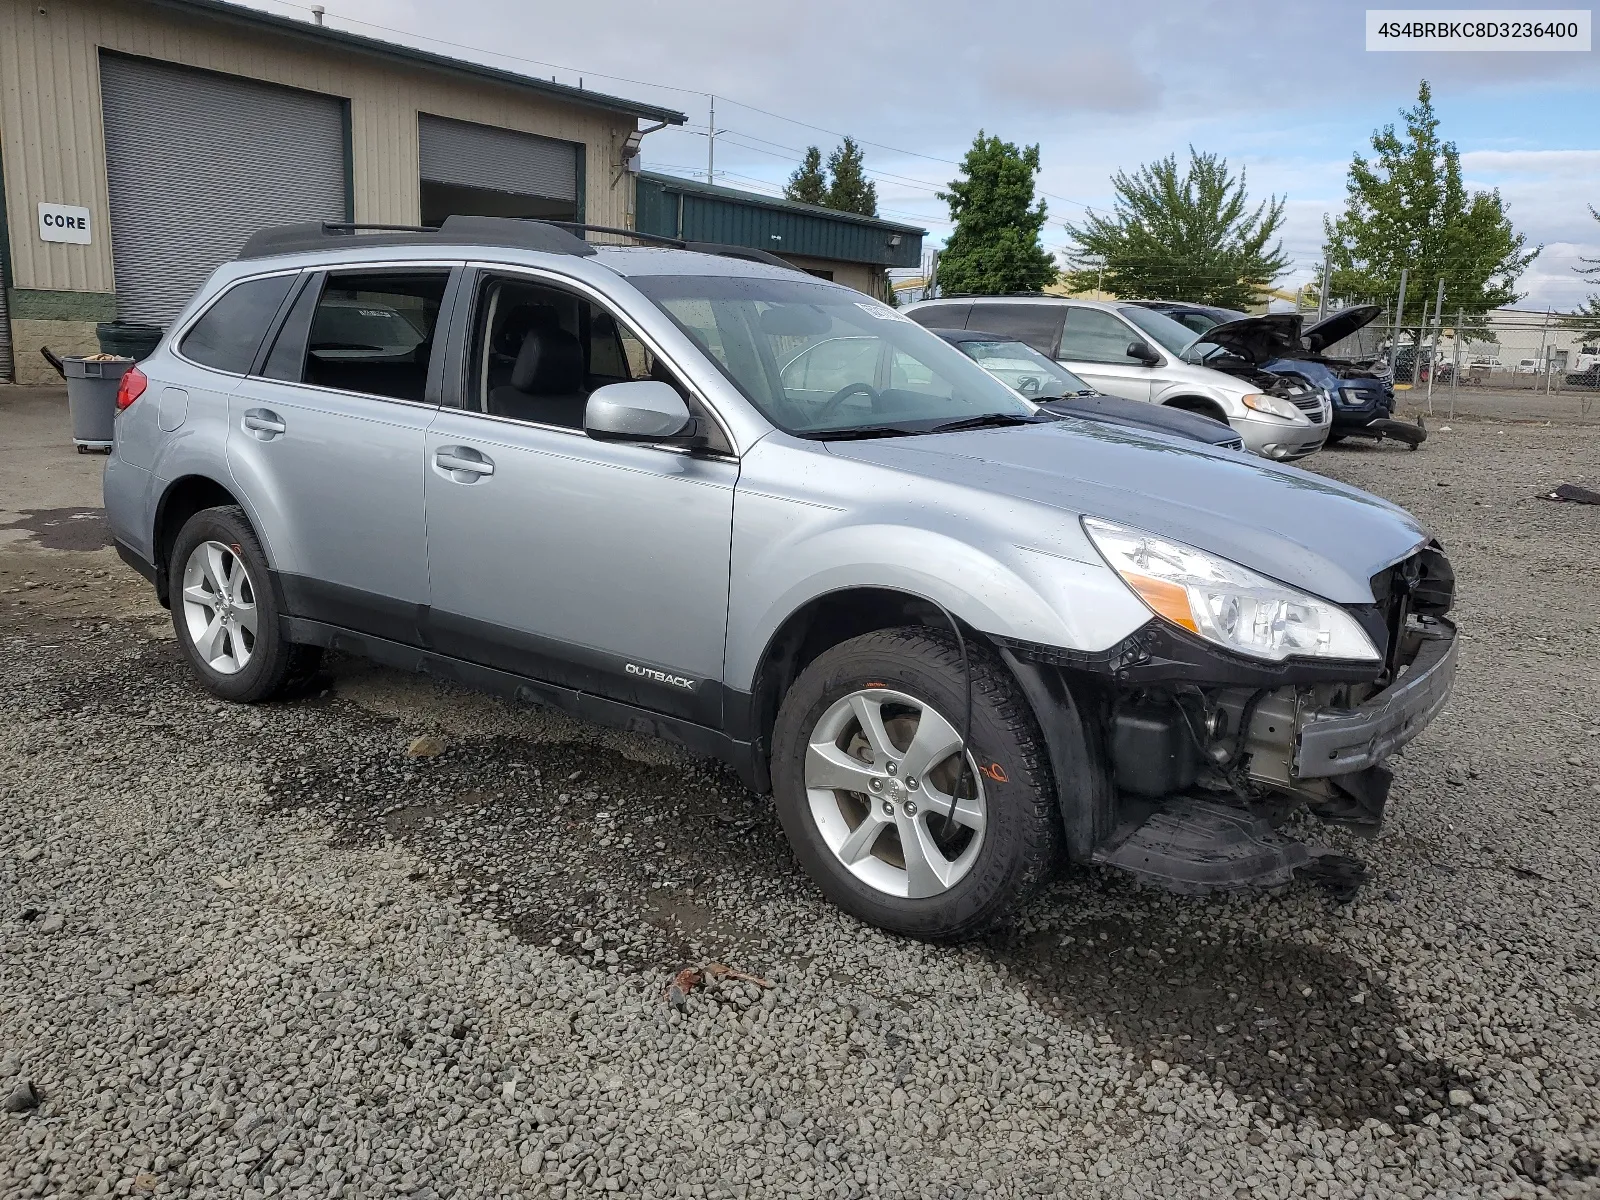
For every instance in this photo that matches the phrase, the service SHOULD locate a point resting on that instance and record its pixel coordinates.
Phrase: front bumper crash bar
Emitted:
(1337, 741)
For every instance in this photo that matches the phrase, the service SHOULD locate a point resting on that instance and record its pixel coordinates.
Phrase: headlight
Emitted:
(1271, 405)
(1225, 603)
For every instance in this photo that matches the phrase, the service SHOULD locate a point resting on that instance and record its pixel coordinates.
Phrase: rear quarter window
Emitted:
(941, 316)
(1039, 325)
(230, 332)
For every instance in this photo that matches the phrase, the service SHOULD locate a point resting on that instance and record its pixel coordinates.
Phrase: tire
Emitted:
(1334, 439)
(244, 664)
(985, 873)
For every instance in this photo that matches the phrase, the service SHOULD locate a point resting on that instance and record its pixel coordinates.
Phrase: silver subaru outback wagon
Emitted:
(958, 638)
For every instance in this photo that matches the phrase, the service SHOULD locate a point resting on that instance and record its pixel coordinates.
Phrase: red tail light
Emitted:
(132, 387)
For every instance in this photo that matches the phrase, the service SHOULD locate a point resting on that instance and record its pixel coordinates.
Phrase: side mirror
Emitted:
(1143, 352)
(645, 410)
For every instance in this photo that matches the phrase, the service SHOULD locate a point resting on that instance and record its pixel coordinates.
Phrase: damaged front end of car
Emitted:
(1210, 752)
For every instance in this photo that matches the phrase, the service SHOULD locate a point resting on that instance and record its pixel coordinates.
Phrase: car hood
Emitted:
(1309, 532)
(1258, 340)
(1339, 326)
(1140, 414)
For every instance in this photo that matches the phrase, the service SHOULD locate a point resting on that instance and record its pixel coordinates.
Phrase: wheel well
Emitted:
(818, 626)
(1195, 404)
(182, 500)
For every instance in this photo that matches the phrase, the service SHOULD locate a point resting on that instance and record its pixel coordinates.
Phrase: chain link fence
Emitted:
(1507, 363)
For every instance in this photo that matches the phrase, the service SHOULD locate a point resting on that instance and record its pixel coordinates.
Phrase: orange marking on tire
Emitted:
(996, 772)
(875, 683)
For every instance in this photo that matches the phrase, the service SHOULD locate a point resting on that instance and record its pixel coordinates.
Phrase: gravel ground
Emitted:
(293, 951)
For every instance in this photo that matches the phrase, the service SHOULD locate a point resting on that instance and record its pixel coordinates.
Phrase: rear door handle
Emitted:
(462, 463)
(263, 423)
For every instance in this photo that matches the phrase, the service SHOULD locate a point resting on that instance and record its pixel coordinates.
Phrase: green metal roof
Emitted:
(338, 38)
(710, 213)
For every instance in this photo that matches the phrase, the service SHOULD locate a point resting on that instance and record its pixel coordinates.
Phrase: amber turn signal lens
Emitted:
(1168, 599)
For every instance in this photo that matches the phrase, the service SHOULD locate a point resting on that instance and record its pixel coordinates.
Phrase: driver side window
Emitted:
(539, 352)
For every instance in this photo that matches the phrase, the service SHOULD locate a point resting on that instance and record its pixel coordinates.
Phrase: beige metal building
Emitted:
(141, 142)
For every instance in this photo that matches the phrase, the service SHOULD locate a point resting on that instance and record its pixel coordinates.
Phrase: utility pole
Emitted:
(711, 143)
(1322, 292)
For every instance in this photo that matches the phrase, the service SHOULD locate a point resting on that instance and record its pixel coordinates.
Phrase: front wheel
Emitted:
(870, 787)
(224, 613)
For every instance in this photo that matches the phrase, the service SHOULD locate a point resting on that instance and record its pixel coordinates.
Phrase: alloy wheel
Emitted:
(219, 607)
(881, 778)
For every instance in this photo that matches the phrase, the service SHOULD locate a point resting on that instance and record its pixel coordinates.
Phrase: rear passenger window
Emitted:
(229, 334)
(1039, 325)
(372, 333)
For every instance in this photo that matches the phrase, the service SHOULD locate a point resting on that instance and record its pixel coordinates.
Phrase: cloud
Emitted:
(1582, 165)
(1082, 79)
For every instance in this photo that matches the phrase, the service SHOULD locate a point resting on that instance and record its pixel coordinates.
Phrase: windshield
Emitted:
(816, 359)
(1160, 328)
(1020, 366)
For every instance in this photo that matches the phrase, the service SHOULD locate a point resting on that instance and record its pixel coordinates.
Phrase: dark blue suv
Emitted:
(1280, 343)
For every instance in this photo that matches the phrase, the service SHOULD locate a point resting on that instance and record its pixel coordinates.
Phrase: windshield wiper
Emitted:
(985, 421)
(858, 432)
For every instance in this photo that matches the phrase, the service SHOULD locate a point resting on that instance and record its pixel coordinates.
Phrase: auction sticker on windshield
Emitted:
(1478, 29)
(882, 311)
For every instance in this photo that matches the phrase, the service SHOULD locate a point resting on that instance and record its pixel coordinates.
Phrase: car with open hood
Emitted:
(957, 639)
(1124, 350)
(1360, 390)
(1057, 390)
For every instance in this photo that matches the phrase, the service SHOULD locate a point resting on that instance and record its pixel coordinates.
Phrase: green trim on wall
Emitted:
(30, 304)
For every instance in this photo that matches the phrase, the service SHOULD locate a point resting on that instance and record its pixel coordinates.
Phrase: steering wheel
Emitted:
(843, 394)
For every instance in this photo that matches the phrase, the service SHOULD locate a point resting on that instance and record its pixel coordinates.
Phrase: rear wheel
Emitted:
(869, 783)
(224, 613)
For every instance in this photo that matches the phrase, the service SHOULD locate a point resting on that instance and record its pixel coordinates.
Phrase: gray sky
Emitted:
(1285, 90)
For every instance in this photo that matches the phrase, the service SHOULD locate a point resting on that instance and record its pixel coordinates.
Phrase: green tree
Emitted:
(808, 184)
(1189, 236)
(995, 247)
(851, 191)
(1587, 319)
(1409, 208)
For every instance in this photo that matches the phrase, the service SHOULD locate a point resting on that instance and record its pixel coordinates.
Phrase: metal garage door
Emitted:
(198, 162)
(501, 160)
(7, 366)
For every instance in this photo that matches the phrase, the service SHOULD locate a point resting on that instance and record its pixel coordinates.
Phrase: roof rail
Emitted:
(721, 249)
(489, 231)
(552, 237)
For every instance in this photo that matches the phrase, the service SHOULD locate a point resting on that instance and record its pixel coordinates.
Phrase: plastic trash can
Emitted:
(127, 338)
(92, 398)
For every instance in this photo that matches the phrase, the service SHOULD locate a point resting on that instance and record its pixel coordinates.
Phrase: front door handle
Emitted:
(263, 423)
(463, 464)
